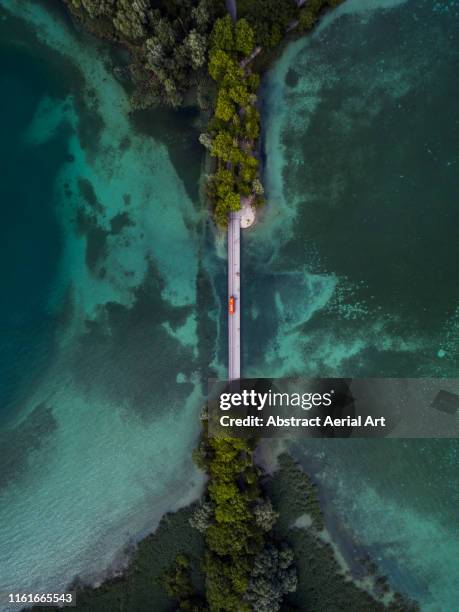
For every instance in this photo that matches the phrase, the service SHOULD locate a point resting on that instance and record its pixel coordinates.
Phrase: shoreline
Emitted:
(174, 535)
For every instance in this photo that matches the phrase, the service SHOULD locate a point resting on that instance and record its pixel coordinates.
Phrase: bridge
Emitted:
(234, 295)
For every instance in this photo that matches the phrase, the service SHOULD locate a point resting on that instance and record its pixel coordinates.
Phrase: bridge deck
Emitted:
(234, 290)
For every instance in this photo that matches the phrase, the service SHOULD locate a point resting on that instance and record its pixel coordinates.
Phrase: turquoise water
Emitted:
(103, 267)
(30, 239)
(359, 250)
(115, 287)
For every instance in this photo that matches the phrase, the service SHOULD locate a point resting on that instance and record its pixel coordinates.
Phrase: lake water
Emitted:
(113, 304)
(358, 256)
(102, 250)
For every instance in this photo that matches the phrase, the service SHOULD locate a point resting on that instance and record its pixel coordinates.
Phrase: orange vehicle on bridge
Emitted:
(231, 305)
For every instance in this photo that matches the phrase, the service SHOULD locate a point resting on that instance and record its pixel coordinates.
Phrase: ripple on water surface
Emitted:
(93, 452)
(360, 253)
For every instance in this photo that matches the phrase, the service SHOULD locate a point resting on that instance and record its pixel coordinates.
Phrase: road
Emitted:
(232, 9)
(234, 290)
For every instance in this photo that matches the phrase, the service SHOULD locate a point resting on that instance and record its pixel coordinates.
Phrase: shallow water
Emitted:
(101, 373)
(359, 250)
(362, 177)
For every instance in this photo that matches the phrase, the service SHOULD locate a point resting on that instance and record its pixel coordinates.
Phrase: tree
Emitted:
(156, 53)
(244, 37)
(219, 63)
(202, 517)
(239, 93)
(230, 504)
(196, 45)
(223, 181)
(225, 148)
(165, 33)
(248, 167)
(270, 19)
(233, 75)
(272, 577)
(131, 18)
(220, 585)
(257, 187)
(224, 108)
(171, 93)
(206, 140)
(222, 36)
(95, 8)
(201, 14)
(306, 20)
(176, 580)
(264, 513)
(251, 123)
(221, 214)
(225, 176)
(275, 36)
(205, 92)
(253, 81)
(224, 69)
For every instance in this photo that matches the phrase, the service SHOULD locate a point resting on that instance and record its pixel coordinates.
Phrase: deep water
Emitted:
(30, 240)
(357, 257)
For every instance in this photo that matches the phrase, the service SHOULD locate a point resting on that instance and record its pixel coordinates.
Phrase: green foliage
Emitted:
(265, 516)
(307, 19)
(257, 187)
(220, 64)
(201, 455)
(230, 505)
(236, 121)
(268, 18)
(224, 69)
(273, 575)
(225, 148)
(206, 140)
(309, 15)
(205, 92)
(224, 181)
(224, 108)
(232, 202)
(221, 213)
(225, 584)
(321, 582)
(222, 36)
(169, 42)
(253, 81)
(177, 583)
(177, 580)
(251, 123)
(196, 44)
(131, 18)
(248, 168)
(244, 37)
(202, 14)
(233, 537)
(202, 517)
(94, 8)
(182, 45)
(243, 572)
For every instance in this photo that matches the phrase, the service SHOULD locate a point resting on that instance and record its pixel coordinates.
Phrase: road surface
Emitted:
(232, 9)
(234, 290)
